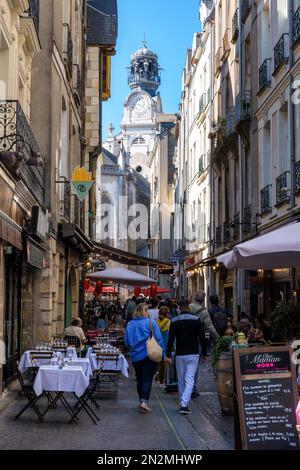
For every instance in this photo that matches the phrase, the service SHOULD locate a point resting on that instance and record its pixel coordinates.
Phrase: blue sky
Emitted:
(169, 26)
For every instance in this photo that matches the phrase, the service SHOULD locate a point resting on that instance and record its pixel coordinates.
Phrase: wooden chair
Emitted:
(44, 356)
(109, 378)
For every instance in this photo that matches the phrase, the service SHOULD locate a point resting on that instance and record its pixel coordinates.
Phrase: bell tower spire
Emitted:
(144, 70)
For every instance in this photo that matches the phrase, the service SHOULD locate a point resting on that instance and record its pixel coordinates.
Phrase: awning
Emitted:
(75, 237)
(124, 257)
(10, 231)
(122, 276)
(277, 249)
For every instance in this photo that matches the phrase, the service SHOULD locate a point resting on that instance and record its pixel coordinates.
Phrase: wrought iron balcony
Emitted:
(246, 6)
(247, 223)
(16, 136)
(296, 26)
(65, 206)
(226, 231)
(235, 26)
(283, 188)
(243, 107)
(266, 199)
(202, 102)
(236, 224)
(230, 121)
(297, 176)
(265, 75)
(219, 234)
(68, 49)
(281, 52)
(226, 47)
(34, 12)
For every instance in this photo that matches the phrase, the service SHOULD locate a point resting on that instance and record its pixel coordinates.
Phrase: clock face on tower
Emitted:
(139, 104)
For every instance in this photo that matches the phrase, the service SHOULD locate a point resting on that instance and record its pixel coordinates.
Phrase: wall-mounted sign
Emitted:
(81, 182)
(267, 398)
(39, 222)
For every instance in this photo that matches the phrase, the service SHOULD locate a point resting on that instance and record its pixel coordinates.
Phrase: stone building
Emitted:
(23, 207)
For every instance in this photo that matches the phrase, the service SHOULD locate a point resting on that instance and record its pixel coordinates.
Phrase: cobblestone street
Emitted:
(122, 427)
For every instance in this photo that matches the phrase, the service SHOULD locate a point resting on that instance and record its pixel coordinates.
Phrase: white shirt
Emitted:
(153, 313)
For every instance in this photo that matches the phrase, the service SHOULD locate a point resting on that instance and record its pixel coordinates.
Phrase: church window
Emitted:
(139, 169)
(138, 141)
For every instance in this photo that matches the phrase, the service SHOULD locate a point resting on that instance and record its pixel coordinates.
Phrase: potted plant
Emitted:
(286, 320)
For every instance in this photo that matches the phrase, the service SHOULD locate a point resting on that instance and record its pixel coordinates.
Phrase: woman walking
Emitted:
(163, 324)
(137, 333)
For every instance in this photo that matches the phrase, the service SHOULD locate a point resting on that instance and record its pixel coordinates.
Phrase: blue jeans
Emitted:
(145, 371)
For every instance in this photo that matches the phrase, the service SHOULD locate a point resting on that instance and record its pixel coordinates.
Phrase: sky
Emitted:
(169, 26)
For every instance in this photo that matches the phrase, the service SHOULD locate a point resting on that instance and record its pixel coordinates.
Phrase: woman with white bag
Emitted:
(144, 340)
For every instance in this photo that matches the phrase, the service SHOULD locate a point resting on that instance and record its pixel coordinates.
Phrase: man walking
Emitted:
(188, 331)
(197, 308)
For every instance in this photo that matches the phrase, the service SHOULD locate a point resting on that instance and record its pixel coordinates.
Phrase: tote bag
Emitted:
(154, 351)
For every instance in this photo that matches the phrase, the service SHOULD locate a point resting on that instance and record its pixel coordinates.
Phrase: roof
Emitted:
(108, 157)
(102, 22)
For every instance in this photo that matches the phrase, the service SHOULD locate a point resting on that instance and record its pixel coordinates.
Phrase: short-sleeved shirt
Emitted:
(75, 331)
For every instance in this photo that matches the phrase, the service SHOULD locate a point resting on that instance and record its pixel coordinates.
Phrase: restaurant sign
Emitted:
(81, 182)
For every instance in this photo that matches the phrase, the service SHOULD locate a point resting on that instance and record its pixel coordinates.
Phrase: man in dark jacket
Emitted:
(188, 331)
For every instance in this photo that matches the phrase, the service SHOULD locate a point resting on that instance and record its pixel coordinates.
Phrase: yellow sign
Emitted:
(81, 182)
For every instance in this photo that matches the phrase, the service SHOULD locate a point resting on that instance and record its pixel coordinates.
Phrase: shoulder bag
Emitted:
(154, 351)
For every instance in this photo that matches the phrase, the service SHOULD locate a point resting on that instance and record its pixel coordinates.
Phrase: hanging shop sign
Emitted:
(266, 399)
(81, 182)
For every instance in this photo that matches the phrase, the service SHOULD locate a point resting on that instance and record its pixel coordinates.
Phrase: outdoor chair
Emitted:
(62, 349)
(44, 356)
(109, 378)
(74, 341)
(29, 393)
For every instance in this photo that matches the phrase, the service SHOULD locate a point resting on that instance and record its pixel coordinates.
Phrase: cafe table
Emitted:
(82, 362)
(69, 379)
(121, 365)
(26, 361)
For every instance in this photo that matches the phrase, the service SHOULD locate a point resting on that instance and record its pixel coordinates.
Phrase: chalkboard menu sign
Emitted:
(267, 397)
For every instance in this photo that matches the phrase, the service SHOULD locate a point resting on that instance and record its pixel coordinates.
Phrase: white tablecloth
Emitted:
(122, 364)
(82, 362)
(26, 362)
(68, 379)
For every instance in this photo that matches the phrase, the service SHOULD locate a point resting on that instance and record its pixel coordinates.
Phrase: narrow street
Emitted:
(122, 426)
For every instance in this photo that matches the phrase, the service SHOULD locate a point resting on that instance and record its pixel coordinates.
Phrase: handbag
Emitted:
(154, 351)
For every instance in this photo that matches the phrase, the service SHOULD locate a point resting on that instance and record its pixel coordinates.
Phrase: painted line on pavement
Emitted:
(171, 424)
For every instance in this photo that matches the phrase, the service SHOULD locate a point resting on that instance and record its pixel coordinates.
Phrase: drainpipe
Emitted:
(211, 175)
(292, 106)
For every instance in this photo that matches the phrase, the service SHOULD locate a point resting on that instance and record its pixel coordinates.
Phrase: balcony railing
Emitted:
(296, 26)
(230, 122)
(281, 52)
(297, 176)
(226, 47)
(218, 60)
(202, 102)
(283, 188)
(226, 231)
(235, 26)
(65, 206)
(236, 224)
(266, 199)
(68, 49)
(243, 106)
(16, 135)
(245, 9)
(219, 234)
(34, 11)
(247, 219)
(265, 75)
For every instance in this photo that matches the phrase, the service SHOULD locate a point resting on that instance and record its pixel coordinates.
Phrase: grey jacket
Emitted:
(202, 313)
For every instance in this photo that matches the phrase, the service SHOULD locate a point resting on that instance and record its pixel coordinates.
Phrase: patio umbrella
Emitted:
(277, 249)
(162, 290)
(122, 276)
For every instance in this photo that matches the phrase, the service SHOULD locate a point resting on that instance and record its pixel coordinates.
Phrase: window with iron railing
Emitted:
(281, 52)
(265, 75)
(266, 199)
(235, 26)
(68, 49)
(227, 231)
(296, 26)
(247, 223)
(283, 188)
(219, 234)
(243, 106)
(246, 6)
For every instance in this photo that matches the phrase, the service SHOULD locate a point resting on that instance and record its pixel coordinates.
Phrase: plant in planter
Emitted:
(286, 320)
(222, 345)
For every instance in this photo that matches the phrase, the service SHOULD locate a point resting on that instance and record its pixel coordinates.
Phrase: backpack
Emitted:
(220, 322)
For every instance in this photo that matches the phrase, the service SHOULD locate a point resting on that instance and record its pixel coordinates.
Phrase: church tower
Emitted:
(140, 108)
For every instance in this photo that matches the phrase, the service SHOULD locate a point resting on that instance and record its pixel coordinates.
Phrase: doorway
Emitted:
(11, 313)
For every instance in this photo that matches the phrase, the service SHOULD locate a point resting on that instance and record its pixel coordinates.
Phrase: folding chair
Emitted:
(31, 396)
(82, 402)
(109, 378)
(62, 349)
(44, 356)
(74, 341)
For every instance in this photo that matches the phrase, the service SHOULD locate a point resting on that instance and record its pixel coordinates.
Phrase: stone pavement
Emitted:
(122, 426)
